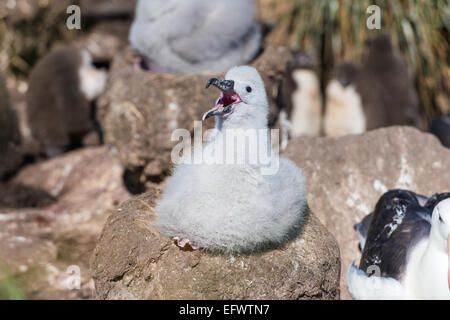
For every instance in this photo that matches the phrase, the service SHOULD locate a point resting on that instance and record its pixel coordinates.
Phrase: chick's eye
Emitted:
(249, 89)
(440, 219)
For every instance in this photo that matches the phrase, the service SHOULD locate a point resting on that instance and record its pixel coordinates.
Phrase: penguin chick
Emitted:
(10, 139)
(301, 97)
(181, 37)
(234, 206)
(61, 88)
(344, 112)
(377, 93)
(386, 87)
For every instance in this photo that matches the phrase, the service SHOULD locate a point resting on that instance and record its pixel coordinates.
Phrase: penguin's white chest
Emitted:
(344, 112)
(307, 105)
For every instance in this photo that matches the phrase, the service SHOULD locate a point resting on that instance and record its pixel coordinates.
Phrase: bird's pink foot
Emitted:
(184, 244)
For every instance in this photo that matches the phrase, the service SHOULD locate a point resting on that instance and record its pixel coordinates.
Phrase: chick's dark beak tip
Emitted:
(210, 82)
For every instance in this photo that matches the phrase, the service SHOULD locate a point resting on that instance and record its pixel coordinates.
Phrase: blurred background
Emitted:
(59, 182)
(332, 31)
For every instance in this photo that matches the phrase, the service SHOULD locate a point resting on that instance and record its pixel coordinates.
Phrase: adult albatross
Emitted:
(406, 251)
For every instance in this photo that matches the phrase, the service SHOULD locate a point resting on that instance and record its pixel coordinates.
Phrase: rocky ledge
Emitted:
(133, 261)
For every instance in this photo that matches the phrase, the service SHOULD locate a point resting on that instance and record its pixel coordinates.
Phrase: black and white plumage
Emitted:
(377, 93)
(344, 113)
(179, 36)
(406, 246)
(234, 207)
(300, 96)
(362, 228)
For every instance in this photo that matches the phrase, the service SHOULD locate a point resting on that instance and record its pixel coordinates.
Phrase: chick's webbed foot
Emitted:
(184, 244)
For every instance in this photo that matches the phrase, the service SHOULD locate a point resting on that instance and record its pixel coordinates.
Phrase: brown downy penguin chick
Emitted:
(10, 151)
(300, 96)
(440, 127)
(61, 88)
(344, 111)
(386, 88)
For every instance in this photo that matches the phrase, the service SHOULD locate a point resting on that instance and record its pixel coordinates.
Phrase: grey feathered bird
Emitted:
(188, 36)
(234, 206)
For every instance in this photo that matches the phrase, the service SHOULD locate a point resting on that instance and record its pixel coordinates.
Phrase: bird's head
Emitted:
(441, 221)
(242, 102)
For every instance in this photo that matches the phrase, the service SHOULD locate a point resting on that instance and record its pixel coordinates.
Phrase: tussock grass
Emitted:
(335, 30)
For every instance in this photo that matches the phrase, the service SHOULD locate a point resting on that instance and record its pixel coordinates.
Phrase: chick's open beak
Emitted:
(227, 99)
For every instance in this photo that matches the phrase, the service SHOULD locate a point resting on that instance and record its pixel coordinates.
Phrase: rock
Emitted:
(104, 9)
(347, 175)
(133, 261)
(10, 150)
(51, 214)
(87, 180)
(139, 110)
(23, 196)
(105, 40)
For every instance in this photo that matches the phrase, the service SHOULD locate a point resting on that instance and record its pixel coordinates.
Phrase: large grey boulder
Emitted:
(51, 215)
(134, 261)
(139, 110)
(347, 175)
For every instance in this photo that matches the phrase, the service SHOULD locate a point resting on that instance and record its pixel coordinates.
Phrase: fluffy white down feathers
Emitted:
(233, 207)
(191, 36)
